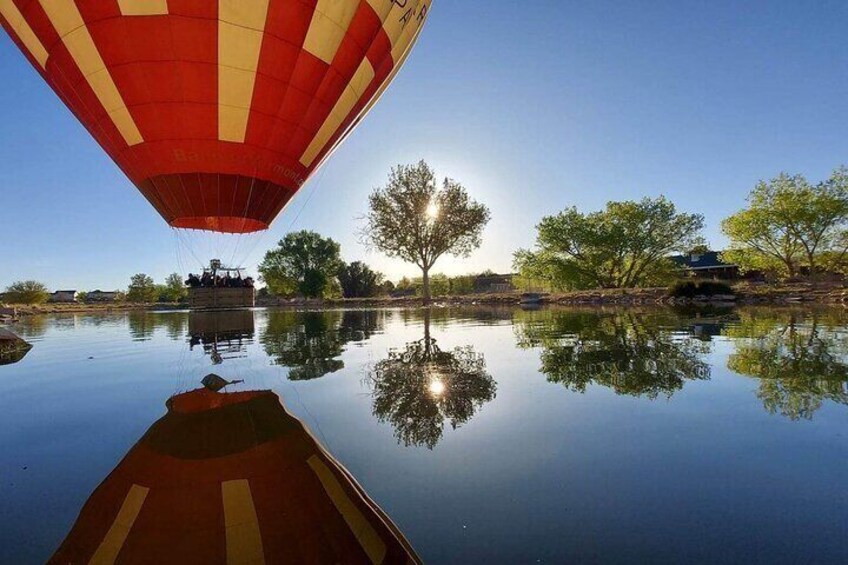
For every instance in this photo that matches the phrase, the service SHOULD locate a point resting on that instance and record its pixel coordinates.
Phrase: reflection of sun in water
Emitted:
(432, 211)
(437, 387)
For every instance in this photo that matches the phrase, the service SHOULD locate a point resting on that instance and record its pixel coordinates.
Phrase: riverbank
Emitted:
(744, 294)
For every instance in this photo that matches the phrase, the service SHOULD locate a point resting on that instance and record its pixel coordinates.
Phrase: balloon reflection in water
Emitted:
(231, 478)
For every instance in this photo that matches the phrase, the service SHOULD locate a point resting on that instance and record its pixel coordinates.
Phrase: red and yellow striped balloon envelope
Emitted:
(217, 110)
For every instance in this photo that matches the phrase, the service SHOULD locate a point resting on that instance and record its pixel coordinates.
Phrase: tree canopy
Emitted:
(790, 224)
(26, 292)
(303, 263)
(174, 289)
(142, 289)
(414, 219)
(359, 281)
(625, 245)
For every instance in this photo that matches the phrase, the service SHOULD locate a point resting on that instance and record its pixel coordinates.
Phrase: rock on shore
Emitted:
(12, 348)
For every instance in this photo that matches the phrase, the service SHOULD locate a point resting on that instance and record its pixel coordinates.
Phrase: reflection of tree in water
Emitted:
(142, 325)
(799, 358)
(418, 388)
(32, 327)
(633, 353)
(310, 343)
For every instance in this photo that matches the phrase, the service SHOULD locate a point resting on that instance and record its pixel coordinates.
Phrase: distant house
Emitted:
(63, 296)
(102, 296)
(706, 265)
(493, 283)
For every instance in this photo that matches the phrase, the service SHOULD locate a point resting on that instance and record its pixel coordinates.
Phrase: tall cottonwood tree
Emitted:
(789, 224)
(625, 245)
(415, 219)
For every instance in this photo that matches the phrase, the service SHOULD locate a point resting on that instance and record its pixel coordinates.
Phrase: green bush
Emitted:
(690, 289)
(26, 292)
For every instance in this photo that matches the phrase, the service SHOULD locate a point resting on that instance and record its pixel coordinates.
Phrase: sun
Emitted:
(432, 211)
(437, 387)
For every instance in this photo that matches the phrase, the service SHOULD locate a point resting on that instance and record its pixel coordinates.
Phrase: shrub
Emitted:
(689, 289)
(27, 292)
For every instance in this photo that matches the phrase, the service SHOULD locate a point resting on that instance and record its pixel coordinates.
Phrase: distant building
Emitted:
(493, 283)
(706, 265)
(102, 296)
(63, 296)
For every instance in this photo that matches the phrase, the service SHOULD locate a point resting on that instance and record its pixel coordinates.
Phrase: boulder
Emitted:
(12, 348)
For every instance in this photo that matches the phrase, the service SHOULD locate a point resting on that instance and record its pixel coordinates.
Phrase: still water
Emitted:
(458, 436)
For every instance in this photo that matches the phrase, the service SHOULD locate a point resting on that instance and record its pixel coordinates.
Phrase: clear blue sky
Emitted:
(533, 105)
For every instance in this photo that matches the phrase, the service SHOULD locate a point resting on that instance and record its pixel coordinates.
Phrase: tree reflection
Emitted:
(311, 343)
(633, 353)
(798, 357)
(142, 325)
(418, 388)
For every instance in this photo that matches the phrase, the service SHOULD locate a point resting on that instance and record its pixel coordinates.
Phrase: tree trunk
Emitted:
(426, 290)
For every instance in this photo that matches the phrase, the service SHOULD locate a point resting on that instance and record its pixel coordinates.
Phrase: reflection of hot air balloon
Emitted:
(231, 478)
(217, 111)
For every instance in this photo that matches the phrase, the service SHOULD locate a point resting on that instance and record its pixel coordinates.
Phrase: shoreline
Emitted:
(745, 294)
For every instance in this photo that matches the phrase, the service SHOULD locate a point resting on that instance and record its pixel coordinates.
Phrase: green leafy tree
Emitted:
(174, 289)
(413, 219)
(790, 224)
(387, 288)
(625, 245)
(142, 289)
(26, 292)
(81, 296)
(359, 281)
(303, 263)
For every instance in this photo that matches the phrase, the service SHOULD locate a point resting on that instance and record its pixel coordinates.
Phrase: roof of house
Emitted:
(708, 260)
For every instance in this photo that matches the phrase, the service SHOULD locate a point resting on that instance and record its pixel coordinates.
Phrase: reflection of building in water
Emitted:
(231, 478)
(222, 335)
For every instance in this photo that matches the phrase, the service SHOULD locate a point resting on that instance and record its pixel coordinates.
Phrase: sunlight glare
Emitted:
(432, 211)
(437, 387)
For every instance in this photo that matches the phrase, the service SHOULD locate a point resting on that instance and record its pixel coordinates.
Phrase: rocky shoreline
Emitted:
(744, 294)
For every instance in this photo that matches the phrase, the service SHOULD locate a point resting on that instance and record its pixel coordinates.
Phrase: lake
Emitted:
(478, 435)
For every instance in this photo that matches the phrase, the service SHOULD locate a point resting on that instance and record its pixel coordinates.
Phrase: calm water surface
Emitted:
(485, 435)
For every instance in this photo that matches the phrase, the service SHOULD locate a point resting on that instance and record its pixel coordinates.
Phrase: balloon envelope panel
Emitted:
(217, 111)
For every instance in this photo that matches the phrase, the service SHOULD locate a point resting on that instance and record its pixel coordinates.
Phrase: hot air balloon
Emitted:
(217, 111)
(231, 478)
